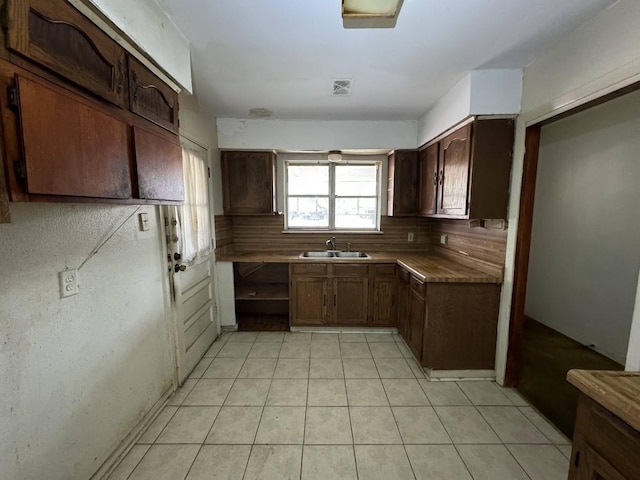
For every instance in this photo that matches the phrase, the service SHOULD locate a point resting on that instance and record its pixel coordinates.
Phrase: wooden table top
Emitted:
(618, 392)
(428, 268)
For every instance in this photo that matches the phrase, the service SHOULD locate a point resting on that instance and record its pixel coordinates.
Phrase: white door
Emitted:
(190, 249)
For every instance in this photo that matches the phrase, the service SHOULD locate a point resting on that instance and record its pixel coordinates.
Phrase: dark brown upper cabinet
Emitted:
(248, 183)
(151, 98)
(159, 165)
(70, 148)
(402, 189)
(57, 36)
(466, 173)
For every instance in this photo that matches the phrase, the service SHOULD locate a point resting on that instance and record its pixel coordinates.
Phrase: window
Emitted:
(329, 196)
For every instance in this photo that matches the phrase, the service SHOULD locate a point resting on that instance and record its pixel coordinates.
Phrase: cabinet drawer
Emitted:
(307, 269)
(418, 286)
(58, 37)
(384, 270)
(350, 270)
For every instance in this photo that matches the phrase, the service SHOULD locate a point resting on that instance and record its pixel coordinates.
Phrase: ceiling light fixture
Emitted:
(334, 156)
(370, 13)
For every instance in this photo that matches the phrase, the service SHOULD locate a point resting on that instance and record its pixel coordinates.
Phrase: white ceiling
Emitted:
(283, 54)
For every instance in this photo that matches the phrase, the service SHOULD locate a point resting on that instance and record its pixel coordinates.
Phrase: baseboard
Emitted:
(132, 437)
(344, 329)
(453, 375)
(229, 328)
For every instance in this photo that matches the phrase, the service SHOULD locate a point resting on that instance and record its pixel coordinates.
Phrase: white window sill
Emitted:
(338, 232)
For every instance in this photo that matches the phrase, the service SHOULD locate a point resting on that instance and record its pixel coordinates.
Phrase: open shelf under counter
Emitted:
(262, 292)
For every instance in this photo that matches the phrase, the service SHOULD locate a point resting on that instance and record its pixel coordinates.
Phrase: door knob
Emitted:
(180, 268)
(177, 256)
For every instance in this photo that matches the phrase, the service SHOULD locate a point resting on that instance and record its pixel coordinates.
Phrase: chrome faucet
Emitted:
(331, 243)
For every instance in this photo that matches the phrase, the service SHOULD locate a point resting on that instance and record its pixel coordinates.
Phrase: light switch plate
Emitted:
(143, 218)
(68, 283)
(444, 239)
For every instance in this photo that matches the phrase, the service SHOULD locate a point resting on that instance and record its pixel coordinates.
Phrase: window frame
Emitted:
(332, 195)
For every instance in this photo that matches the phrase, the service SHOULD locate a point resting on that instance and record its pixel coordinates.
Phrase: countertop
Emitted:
(618, 392)
(428, 268)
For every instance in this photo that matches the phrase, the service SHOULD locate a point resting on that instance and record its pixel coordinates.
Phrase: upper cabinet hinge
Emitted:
(12, 98)
(209, 171)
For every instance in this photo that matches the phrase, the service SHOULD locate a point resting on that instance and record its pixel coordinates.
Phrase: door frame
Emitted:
(525, 223)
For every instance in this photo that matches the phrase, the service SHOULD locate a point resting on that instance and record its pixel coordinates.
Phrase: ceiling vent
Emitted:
(260, 113)
(342, 86)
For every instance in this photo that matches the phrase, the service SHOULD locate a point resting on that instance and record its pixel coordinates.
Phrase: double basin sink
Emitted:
(334, 254)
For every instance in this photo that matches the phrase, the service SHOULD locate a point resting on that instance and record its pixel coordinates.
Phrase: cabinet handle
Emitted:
(441, 177)
(393, 300)
(435, 178)
(324, 300)
(334, 299)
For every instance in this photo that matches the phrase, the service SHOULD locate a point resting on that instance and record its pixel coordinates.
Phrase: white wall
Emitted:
(153, 31)
(584, 260)
(79, 373)
(597, 58)
(315, 135)
(480, 92)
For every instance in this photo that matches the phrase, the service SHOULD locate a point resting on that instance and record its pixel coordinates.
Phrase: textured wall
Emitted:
(77, 374)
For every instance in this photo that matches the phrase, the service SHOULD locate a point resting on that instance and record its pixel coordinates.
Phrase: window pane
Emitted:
(356, 213)
(352, 180)
(308, 212)
(308, 179)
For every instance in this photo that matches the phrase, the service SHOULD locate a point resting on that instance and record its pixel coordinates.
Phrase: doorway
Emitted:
(576, 256)
(191, 265)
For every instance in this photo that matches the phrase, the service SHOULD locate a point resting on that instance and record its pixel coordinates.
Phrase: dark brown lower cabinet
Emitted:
(308, 301)
(448, 326)
(384, 296)
(604, 447)
(343, 294)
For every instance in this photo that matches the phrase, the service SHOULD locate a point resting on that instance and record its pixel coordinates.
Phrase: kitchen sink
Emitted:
(322, 254)
(334, 254)
(351, 255)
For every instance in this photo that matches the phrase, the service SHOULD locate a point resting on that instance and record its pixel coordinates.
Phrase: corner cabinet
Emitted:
(248, 182)
(402, 188)
(466, 173)
(448, 326)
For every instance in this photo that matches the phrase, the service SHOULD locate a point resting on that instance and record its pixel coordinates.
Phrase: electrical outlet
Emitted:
(68, 283)
(410, 237)
(444, 239)
(143, 218)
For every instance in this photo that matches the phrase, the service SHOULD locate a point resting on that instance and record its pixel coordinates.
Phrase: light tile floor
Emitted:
(349, 406)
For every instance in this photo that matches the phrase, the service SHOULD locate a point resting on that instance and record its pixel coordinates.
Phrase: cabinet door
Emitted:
(70, 147)
(151, 98)
(416, 323)
(455, 151)
(59, 37)
(308, 301)
(350, 301)
(403, 304)
(428, 179)
(159, 166)
(592, 466)
(384, 302)
(248, 183)
(402, 193)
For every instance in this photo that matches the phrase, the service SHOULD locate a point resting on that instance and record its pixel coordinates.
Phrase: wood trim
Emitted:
(523, 246)
(447, 132)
